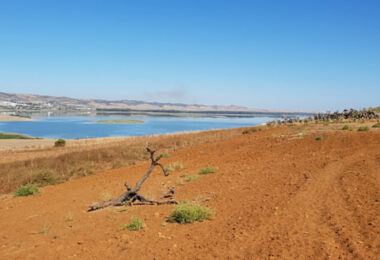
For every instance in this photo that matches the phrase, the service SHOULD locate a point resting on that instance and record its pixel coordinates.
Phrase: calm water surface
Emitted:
(74, 127)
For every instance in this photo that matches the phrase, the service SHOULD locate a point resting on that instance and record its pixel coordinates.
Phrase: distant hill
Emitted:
(31, 102)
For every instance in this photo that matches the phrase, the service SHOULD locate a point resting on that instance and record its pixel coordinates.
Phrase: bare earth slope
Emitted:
(276, 195)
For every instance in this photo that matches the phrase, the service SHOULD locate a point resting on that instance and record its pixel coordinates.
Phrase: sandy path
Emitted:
(274, 196)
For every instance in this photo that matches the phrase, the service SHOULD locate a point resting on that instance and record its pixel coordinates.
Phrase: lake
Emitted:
(78, 127)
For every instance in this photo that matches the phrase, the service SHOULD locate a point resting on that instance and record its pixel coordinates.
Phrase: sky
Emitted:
(293, 55)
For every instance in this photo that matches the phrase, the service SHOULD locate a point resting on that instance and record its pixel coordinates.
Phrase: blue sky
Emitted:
(301, 55)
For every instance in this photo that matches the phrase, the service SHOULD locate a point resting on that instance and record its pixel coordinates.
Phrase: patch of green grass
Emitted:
(26, 190)
(206, 170)
(135, 225)
(377, 125)
(165, 155)
(192, 178)
(168, 169)
(319, 138)
(120, 121)
(253, 130)
(345, 127)
(14, 136)
(186, 212)
(45, 229)
(363, 128)
(60, 143)
(174, 167)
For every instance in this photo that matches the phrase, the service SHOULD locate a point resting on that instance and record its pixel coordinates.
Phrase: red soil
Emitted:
(276, 196)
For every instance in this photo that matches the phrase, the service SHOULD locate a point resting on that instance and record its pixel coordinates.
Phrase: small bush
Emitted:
(186, 212)
(174, 167)
(45, 178)
(136, 224)
(168, 169)
(377, 125)
(319, 138)
(165, 155)
(363, 128)
(60, 143)
(206, 170)
(345, 127)
(45, 229)
(26, 190)
(252, 130)
(192, 178)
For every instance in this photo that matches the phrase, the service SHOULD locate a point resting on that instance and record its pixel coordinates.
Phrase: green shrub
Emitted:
(252, 130)
(206, 170)
(377, 125)
(60, 143)
(13, 136)
(186, 212)
(319, 138)
(192, 178)
(26, 190)
(345, 127)
(136, 224)
(363, 128)
(168, 169)
(165, 155)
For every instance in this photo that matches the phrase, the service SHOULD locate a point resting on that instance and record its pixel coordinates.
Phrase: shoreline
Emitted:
(7, 118)
(40, 143)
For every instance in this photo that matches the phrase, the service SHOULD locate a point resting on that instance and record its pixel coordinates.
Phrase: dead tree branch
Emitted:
(131, 196)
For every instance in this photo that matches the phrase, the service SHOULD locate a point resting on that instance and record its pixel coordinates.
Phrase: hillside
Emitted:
(29, 102)
(276, 194)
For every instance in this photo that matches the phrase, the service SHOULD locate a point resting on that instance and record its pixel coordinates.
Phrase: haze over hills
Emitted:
(31, 102)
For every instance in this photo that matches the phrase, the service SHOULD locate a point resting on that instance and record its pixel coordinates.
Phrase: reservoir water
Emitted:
(77, 127)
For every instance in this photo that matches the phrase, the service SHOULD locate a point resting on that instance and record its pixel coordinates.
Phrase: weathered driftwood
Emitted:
(131, 196)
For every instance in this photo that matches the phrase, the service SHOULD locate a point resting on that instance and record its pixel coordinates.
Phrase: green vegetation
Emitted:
(175, 166)
(206, 170)
(346, 127)
(120, 121)
(135, 225)
(252, 130)
(192, 178)
(168, 169)
(375, 109)
(186, 212)
(165, 155)
(14, 136)
(319, 138)
(363, 128)
(60, 143)
(377, 125)
(45, 229)
(26, 190)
